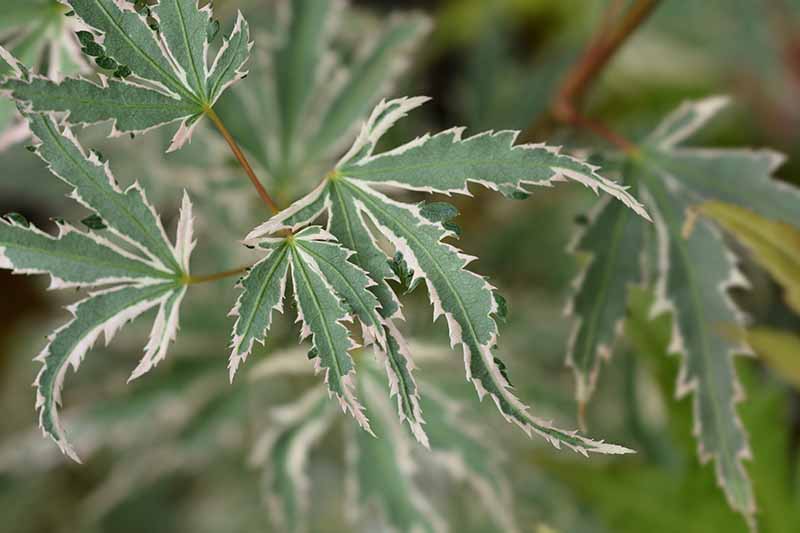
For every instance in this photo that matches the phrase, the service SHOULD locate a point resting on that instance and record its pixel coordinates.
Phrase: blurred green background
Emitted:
(169, 453)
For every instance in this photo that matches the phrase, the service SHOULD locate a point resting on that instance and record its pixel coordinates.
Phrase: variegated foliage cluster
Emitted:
(158, 60)
(390, 483)
(387, 480)
(161, 74)
(339, 274)
(38, 33)
(125, 258)
(691, 268)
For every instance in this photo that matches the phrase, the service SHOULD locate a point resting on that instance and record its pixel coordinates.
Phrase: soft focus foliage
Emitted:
(685, 260)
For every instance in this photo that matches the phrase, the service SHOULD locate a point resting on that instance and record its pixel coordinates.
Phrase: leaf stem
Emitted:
(602, 130)
(567, 104)
(194, 280)
(237, 152)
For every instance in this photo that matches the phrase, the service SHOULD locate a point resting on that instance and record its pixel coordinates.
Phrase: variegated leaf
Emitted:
(447, 163)
(695, 270)
(283, 452)
(694, 276)
(328, 291)
(144, 271)
(402, 385)
(349, 225)
(104, 312)
(129, 215)
(322, 313)
(614, 243)
(159, 58)
(262, 292)
(466, 300)
(740, 177)
(383, 493)
(38, 33)
(72, 258)
(351, 283)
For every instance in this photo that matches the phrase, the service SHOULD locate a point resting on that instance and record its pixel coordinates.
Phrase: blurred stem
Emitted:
(568, 102)
(580, 79)
(194, 280)
(237, 152)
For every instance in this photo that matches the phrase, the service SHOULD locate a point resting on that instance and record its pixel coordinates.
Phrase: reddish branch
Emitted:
(569, 100)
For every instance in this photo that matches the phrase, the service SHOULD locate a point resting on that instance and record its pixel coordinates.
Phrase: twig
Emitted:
(568, 102)
(237, 152)
(579, 80)
(194, 280)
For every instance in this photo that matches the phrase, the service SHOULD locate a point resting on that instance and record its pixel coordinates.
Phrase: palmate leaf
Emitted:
(613, 241)
(307, 97)
(445, 163)
(38, 33)
(319, 269)
(159, 58)
(384, 475)
(694, 276)
(144, 271)
(694, 269)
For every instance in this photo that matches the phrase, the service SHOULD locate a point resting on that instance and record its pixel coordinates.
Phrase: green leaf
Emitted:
(613, 242)
(94, 222)
(774, 245)
(181, 85)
